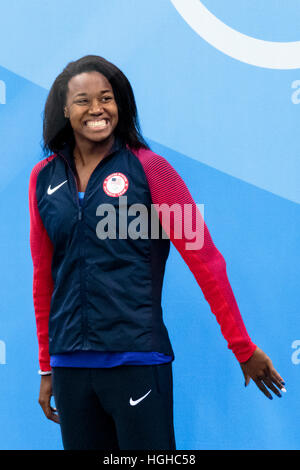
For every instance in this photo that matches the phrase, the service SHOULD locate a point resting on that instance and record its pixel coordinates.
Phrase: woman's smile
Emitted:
(92, 108)
(97, 125)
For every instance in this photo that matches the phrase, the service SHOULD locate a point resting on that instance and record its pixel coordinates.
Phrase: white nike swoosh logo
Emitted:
(52, 190)
(135, 402)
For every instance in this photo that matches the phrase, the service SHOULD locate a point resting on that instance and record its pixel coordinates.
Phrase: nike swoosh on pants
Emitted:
(135, 402)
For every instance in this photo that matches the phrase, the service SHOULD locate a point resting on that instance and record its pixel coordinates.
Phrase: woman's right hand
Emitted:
(45, 398)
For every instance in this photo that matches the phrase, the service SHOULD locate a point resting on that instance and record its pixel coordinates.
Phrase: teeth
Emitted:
(101, 123)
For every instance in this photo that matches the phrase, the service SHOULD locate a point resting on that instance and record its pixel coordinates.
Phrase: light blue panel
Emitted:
(21, 125)
(23, 424)
(225, 107)
(270, 20)
(231, 130)
(64, 31)
(257, 234)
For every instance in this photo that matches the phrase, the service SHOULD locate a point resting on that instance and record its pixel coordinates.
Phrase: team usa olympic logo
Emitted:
(115, 185)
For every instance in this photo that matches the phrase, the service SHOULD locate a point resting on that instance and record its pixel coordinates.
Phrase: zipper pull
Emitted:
(80, 213)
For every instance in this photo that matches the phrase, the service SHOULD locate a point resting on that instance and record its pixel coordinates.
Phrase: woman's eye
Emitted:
(85, 101)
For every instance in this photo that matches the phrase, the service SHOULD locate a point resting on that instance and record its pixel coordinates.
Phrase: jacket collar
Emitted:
(67, 150)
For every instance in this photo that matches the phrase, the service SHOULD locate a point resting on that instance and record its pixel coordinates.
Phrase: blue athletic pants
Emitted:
(117, 408)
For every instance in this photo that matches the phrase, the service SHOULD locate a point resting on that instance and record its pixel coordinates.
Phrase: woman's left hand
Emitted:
(260, 369)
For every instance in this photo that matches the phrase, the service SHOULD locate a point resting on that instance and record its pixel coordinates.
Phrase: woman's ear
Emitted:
(66, 112)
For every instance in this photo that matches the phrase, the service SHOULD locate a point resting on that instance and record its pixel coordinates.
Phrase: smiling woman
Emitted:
(91, 108)
(104, 350)
(93, 114)
(83, 88)
(90, 103)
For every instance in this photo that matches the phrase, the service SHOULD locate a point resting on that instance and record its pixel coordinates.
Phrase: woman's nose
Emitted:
(95, 106)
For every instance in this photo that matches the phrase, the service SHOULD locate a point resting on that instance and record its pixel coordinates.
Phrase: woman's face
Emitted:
(91, 107)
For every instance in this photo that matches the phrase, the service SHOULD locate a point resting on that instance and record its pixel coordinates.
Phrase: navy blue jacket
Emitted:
(104, 294)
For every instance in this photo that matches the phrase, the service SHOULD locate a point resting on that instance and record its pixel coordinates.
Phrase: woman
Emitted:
(104, 350)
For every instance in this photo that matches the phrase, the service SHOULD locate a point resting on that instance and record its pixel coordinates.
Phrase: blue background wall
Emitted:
(230, 129)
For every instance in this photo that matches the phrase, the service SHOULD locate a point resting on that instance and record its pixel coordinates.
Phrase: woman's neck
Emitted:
(89, 153)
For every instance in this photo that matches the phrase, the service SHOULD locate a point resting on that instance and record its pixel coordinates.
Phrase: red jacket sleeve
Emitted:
(41, 252)
(204, 260)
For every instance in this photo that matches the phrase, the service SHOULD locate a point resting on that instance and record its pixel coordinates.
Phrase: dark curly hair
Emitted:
(57, 129)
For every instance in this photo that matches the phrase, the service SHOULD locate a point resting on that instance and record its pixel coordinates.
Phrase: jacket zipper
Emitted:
(84, 319)
(80, 212)
(77, 189)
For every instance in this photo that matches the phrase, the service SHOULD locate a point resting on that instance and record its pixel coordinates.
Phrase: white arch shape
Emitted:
(267, 54)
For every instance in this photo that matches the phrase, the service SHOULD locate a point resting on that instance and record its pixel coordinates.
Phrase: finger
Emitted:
(246, 376)
(277, 377)
(261, 387)
(44, 405)
(54, 417)
(268, 382)
(49, 411)
(278, 383)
